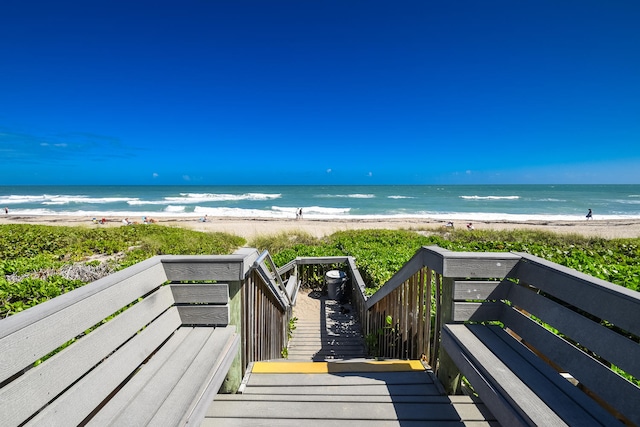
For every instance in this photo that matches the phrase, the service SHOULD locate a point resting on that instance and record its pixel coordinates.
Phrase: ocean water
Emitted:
(444, 202)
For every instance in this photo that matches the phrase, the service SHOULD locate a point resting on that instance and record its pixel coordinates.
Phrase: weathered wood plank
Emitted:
(616, 304)
(479, 290)
(336, 410)
(198, 385)
(370, 398)
(207, 315)
(617, 391)
(558, 394)
(281, 422)
(204, 267)
(364, 389)
(45, 327)
(24, 396)
(476, 312)
(149, 399)
(364, 378)
(473, 359)
(81, 399)
(127, 394)
(200, 293)
(606, 343)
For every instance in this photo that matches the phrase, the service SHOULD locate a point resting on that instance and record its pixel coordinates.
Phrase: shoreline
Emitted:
(250, 228)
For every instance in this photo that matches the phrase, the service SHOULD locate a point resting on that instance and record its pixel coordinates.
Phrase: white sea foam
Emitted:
(400, 197)
(346, 196)
(60, 199)
(212, 197)
(175, 209)
(490, 197)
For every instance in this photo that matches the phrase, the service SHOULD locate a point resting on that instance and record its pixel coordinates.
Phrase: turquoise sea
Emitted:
(478, 202)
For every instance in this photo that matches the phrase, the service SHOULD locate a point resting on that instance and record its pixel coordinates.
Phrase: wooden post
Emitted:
(234, 376)
(447, 372)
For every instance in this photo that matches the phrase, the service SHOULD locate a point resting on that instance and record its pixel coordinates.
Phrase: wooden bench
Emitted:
(160, 361)
(526, 373)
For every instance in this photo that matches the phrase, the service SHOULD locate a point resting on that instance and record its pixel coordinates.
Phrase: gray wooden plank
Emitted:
(335, 410)
(204, 267)
(81, 399)
(199, 384)
(349, 378)
(560, 382)
(614, 389)
(205, 315)
(556, 393)
(40, 331)
(24, 396)
(427, 389)
(282, 422)
(201, 293)
(118, 403)
(464, 290)
(470, 355)
(18, 321)
(371, 398)
(150, 398)
(616, 304)
(613, 347)
(476, 311)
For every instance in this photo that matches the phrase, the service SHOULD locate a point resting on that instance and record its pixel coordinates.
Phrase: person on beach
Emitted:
(126, 221)
(300, 213)
(470, 226)
(6, 211)
(589, 215)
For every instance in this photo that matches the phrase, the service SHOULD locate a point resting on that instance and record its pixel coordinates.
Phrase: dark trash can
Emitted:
(335, 280)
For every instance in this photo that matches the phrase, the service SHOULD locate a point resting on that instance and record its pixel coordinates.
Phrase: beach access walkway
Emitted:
(328, 381)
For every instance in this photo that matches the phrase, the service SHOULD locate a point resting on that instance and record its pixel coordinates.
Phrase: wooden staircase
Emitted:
(357, 393)
(325, 330)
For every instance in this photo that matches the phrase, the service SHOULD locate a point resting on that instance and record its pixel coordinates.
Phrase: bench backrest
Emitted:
(72, 352)
(583, 326)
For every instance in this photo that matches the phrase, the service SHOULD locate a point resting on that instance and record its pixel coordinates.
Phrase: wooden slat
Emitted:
(366, 378)
(615, 390)
(127, 394)
(204, 267)
(24, 396)
(280, 422)
(207, 315)
(336, 410)
(80, 400)
(479, 290)
(150, 398)
(38, 331)
(613, 303)
(553, 376)
(476, 311)
(604, 342)
(471, 356)
(200, 293)
(190, 397)
(558, 394)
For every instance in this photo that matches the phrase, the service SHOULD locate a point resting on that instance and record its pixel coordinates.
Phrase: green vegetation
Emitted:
(380, 253)
(33, 257)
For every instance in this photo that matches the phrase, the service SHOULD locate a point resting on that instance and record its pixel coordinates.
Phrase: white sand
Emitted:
(250, 228)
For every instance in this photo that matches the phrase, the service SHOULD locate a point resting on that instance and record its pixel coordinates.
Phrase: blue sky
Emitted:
(319, 92)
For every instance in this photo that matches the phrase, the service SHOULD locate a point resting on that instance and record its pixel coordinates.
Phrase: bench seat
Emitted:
(181, 376)
(134, 348)
(516, 383)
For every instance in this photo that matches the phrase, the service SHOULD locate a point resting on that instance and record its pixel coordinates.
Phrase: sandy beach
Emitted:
(250, 228)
